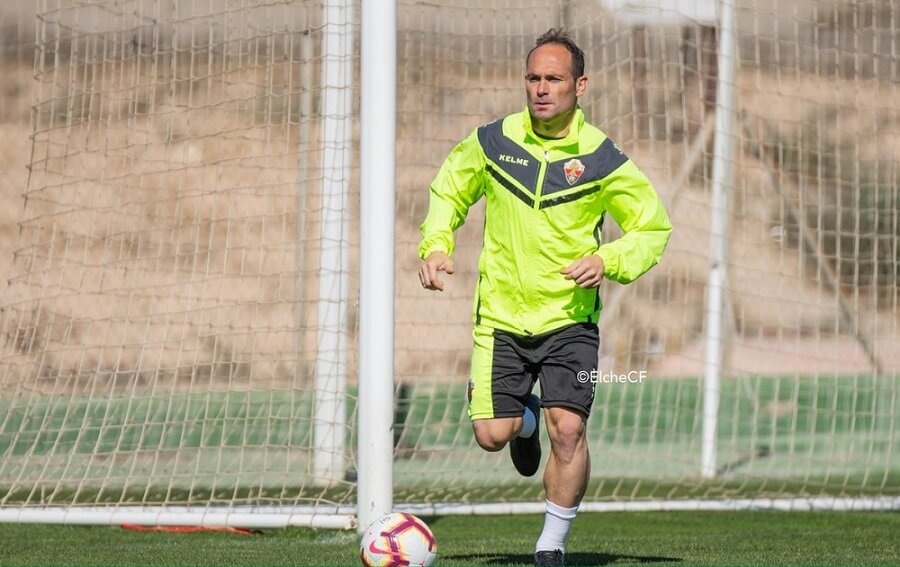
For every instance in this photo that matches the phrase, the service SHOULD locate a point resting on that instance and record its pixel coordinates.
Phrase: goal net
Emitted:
(179, 327)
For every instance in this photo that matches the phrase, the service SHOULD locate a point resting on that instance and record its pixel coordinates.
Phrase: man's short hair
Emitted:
(561, 37)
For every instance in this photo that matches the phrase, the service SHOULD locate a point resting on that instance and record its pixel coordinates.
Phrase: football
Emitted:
(398, 539)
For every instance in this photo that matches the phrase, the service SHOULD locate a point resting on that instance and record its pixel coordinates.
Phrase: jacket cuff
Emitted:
(427, 250)
(610, 262)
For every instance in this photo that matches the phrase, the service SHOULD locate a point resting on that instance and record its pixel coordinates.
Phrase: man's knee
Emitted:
(493, 434)
(566, 429)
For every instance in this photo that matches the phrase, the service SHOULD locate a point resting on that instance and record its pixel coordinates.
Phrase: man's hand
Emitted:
(587, 272)
(428, 271)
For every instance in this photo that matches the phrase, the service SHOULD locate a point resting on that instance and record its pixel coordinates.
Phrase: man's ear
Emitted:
(581, 85)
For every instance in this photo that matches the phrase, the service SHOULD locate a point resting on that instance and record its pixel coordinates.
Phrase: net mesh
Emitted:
(164, 317)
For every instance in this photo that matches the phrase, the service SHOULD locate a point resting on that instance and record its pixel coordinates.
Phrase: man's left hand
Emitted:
(587, 272)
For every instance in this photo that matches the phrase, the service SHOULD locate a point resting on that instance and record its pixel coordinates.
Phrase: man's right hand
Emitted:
(428, 271)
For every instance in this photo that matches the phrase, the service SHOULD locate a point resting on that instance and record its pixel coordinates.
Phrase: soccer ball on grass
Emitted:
(398, 539)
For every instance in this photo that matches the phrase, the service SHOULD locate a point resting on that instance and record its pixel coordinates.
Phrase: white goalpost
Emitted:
(210, 313)
(334, 261)
(722, 185)
(378, 114)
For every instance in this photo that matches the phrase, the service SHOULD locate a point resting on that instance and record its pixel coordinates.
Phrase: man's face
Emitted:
(551, 88)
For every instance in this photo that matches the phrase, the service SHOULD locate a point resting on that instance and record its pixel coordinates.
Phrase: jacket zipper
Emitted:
(540, 180)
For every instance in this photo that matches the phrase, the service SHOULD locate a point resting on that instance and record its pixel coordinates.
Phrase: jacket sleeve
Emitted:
(632, 201)
(458, 185)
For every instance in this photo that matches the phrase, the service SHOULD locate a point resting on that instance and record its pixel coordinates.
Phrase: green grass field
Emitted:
(659, 538)
(779, 437)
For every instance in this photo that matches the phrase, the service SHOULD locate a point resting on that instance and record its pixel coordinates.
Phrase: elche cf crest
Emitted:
(573, 168)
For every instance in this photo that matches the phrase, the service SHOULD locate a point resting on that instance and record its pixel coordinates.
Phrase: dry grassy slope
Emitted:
(15, 150)
(160, 243)
(187, 264)
(13, 160)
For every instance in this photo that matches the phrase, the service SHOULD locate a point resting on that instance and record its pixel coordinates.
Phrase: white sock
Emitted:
(557, 522)
(529, 422)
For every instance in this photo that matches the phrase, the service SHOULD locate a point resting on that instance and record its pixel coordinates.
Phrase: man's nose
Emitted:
(543, 87)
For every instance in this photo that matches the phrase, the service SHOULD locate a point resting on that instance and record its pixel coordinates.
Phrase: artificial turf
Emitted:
(632, 538)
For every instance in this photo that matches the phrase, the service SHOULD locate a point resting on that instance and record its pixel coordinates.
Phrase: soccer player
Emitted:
(549, 178)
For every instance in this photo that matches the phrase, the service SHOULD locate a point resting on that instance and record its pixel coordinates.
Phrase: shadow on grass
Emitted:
(572, 559)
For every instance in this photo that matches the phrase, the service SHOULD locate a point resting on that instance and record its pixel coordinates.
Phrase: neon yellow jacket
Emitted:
(546, 200)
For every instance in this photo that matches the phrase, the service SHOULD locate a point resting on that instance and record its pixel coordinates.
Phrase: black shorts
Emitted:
(505, 367)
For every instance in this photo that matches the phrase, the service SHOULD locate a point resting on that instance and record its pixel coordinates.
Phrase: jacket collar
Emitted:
(571, 138)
